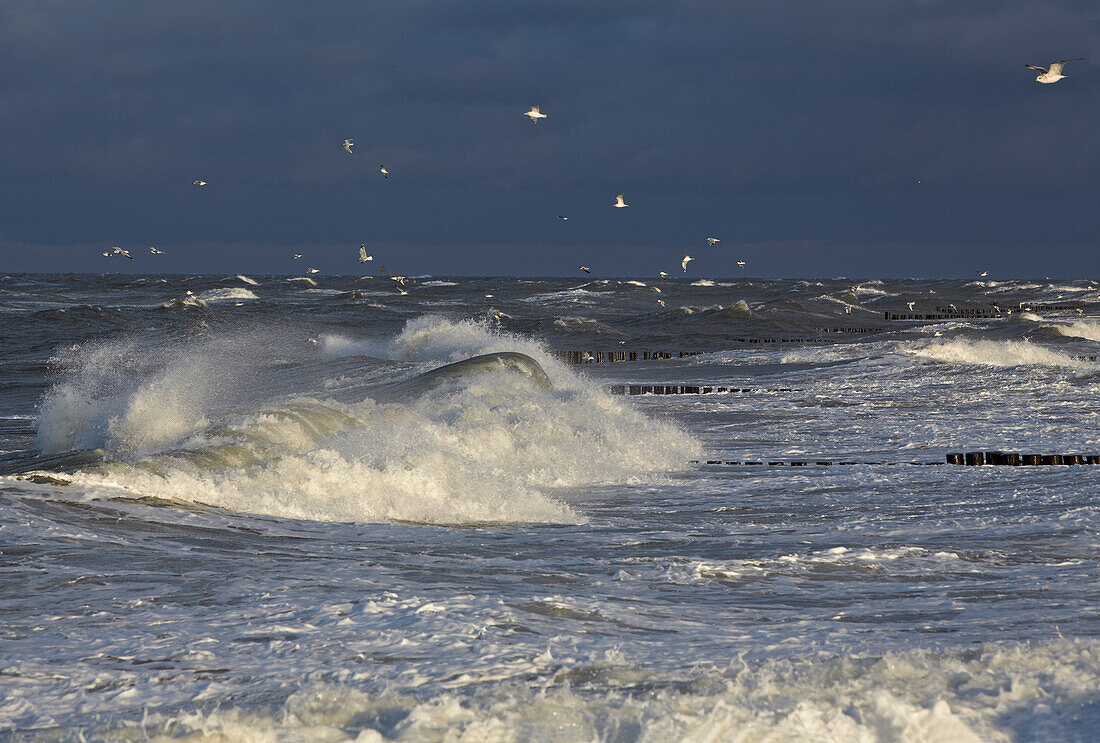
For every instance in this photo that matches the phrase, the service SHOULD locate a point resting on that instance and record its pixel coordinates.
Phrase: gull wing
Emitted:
(1056, 67)
(1036, 67)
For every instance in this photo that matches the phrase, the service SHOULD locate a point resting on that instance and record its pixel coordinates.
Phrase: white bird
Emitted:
(661, 302)
(198, 183)
(348, 144)
(312, 270)
(154, 251)
(619, 203)
(296, 256)
(713, 241)
(106, 255)
(385, 173)
(847, 309)
(953, 308)
(684, 263)
(663, 274)
(534, 114)
(586, 269)
(119, 251)
(363, 257)
(910, 305)
(1054, 73)
(564, 219)
(741, 264)
(984, 273)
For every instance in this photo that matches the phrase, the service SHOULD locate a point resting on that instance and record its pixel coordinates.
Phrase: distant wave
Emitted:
(997, 353)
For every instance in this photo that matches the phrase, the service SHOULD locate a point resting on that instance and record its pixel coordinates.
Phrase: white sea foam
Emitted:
(230, 294)
(991, 694)
(703, 282)
(492, 448)
(1087, 329)
(996, 353)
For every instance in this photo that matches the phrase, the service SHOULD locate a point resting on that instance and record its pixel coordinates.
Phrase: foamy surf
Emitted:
(982, 695)
(997, 353)
(490, 446)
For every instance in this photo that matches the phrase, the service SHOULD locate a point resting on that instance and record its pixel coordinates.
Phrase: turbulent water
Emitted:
(246, 508)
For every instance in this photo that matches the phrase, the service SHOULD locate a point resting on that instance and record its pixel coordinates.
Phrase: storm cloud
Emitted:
(856, 137)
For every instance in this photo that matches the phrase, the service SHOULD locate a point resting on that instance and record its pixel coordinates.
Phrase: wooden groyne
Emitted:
(685, 389)
(1015, 459)
(972, 459)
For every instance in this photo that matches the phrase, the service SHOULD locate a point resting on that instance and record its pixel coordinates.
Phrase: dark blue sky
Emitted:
(796, 132)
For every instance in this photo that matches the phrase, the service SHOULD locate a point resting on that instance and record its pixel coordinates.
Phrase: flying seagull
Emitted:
(910, 305)
(684, 263)
(363, 257)
(154, 251)
(663, 274)
(564, 219)
(585, 269)
(119, 251)
(385, 173)
(713, 241)
(312, 270)
(984, 273)
(198, 183)
(1054, 74)
(296, 256)
(534, 114)
(348, 144)
(741, 264)
(619, 203)
(106, 254)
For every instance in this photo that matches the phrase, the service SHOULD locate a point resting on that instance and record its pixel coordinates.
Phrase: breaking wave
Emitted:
(209, 423)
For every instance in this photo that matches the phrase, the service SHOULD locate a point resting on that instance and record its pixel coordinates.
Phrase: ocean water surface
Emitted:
(248, 508)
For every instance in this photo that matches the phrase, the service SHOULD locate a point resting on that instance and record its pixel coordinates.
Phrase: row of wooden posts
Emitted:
(684, 389)
(1015, 459)
(974, 458)
(798, 463)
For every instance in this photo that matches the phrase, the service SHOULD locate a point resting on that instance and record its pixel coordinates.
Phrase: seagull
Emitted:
(984, 273)
(619, 203)
(534, 114)
(663, 274)
(741, 264)
(586, 269)
(385, 173)
(363, 257)
(312, 270)
(953, 308)
(661, 302)
(713, 241)
(564, 219)
(106, 254)
(348, 144)
(910, 305)
(684, 263)
(296, 256)
(154, 251)
(198, 183)
(847, 309)
(119, 251)
(1054, 74)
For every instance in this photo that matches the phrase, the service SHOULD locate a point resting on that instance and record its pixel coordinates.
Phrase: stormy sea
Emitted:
(253, 508)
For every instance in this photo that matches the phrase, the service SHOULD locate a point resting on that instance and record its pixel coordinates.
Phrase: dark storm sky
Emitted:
(796, 132)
